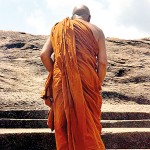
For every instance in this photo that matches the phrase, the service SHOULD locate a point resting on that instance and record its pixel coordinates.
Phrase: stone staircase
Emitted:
(124, 127)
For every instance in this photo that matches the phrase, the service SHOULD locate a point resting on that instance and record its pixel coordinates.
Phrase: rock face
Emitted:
(128, 77)
(22, 74)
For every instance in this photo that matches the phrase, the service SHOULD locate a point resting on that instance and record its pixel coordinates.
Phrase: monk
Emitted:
(73, 87)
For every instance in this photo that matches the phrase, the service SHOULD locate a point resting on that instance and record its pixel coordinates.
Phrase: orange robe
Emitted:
(75, 86)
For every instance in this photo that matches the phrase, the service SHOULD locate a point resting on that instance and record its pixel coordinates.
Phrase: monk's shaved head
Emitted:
(81, 11)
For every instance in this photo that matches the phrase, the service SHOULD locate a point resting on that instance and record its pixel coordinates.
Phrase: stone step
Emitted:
(125, 112)
(125, 123)
(43, 139)
(125, 108)
(24, 114)
(125, 115)
(126, 138)
(42, 114)
(42, 123)
(23, 123)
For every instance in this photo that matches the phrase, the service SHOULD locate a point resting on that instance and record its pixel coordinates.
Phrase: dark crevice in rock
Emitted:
(22, 32)
(117, 42)
(116, 95)
(147, 53)
(120, 72)
(30, 46)
(15, 45)
(129, 42)
(138, 79)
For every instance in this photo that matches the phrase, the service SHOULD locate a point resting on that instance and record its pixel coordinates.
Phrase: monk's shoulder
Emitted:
(96, 31)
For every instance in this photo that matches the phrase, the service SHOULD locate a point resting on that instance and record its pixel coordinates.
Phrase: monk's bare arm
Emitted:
(45, 55)
(102, 58)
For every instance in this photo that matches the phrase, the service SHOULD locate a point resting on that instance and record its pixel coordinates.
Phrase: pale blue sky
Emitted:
(129, 19)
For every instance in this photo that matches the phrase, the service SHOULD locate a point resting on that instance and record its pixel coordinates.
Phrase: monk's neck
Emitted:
(80, 19)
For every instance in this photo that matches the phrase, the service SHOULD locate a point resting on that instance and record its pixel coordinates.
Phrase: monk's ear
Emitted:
(72, 17)
(89, 18)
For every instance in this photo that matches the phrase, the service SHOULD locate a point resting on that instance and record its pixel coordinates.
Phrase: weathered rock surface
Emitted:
(128, 77)
(22, 74)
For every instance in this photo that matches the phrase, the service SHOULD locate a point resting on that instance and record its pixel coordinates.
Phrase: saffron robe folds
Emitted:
(75, 86)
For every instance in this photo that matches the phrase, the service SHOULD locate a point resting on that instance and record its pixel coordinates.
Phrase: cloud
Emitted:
(124, 18)
(59, 9)
(38, 22)
(137, 15)
(110, 16)
(117, 18)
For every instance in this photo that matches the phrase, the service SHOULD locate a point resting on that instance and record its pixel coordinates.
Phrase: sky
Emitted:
(125, 19)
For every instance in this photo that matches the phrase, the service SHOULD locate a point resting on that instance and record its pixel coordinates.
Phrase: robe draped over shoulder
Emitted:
(75, 87)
